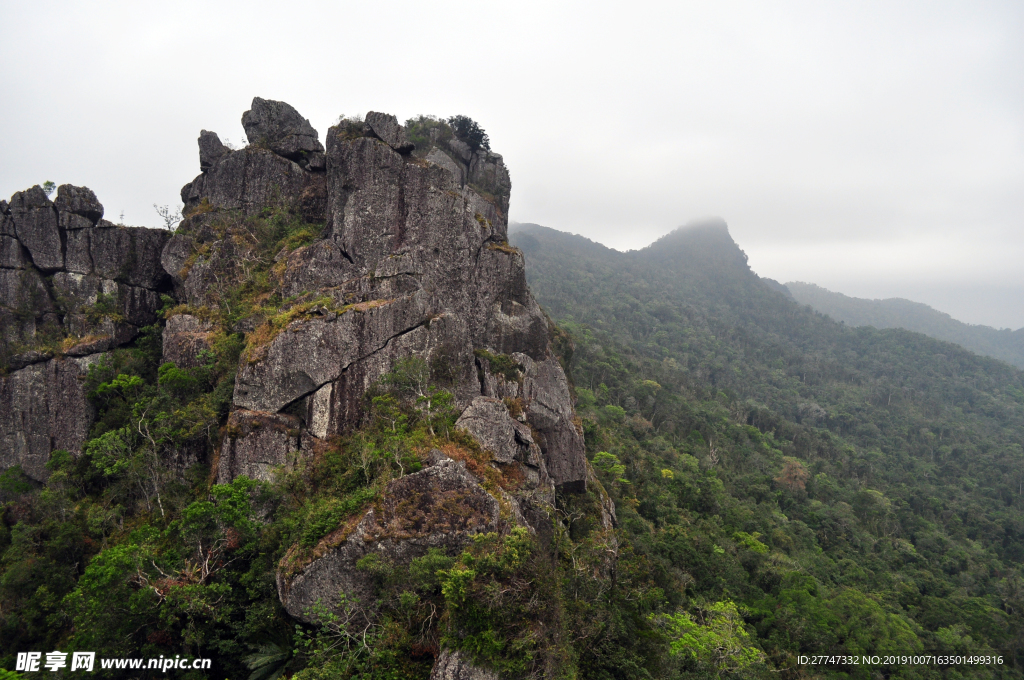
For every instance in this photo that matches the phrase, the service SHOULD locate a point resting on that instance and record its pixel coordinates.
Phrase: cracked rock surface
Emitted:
(72, 286)
(413, 257)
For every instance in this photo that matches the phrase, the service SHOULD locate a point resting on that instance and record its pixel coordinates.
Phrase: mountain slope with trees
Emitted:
(850, 490)
(1003, 344)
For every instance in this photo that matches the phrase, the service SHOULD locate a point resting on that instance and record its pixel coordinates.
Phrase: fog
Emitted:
(873, 148)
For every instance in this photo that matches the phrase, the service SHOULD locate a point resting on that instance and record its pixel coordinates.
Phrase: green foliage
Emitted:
(501, 364)
(718, 643)
(469, 131)
(609, 464)
(268, 662)
(14, 482)
(848, 489)
(426, 131)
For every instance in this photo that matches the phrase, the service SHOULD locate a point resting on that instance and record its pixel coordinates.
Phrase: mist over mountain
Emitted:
(914, 316)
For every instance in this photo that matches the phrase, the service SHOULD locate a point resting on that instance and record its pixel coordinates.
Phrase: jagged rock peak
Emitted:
(280, 128)
(387, 128)
(211, 150)
(79, 201)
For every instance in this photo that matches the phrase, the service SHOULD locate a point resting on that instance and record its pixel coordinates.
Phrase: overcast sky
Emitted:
(874, 148)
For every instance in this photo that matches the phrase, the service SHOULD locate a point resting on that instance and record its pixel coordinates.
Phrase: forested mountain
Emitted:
(324, 430)
(1002, 344)
(850, 490)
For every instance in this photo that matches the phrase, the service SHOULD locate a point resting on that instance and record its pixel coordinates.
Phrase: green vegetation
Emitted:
(849, 491)
(1002, 344)
(429, 131)
(469, 131)
(783, 486)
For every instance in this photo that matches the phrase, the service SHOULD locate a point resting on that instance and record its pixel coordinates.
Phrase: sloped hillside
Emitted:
(1004, 344)
(849, 489)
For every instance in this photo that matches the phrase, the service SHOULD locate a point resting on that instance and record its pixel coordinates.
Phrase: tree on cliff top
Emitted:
(470, 132)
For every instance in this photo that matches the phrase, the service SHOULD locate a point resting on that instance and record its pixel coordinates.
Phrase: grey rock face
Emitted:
(43, 407)
(6, 223)
(211, 150)
(549, 409)
(309, 354)
(24, 290)
(65, 274)
(439, 157)
(461, 150)
(35, 224)
(441, 506)
(186, 337)
(135, 305)
(129, 255)
(458, 666)
(387, 128)
(79, 201)
(280, 128)
(489, 422)
(257, 444)
(11, 254)
(255, 178)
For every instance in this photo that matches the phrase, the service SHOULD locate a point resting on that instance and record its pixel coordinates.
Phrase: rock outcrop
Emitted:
(403, 252)
(442, 507)
(72, 286)
(279, 127)
(412, 259)
(458, 666)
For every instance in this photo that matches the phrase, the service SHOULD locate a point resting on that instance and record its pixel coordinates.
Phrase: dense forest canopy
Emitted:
(1004, 344)
(880, 471)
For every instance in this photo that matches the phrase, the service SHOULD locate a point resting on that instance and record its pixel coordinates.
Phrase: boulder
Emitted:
(442, 506)
(387, 128)
(79, 201)
(312, 352)
(35, 224)
(489, 423)
(461, 150)
(459, 666)
(279, 127)
(256, 444)
(211, 150)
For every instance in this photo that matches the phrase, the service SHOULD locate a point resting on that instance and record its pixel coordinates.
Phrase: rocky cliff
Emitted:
(393, 244)
(72, 286)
